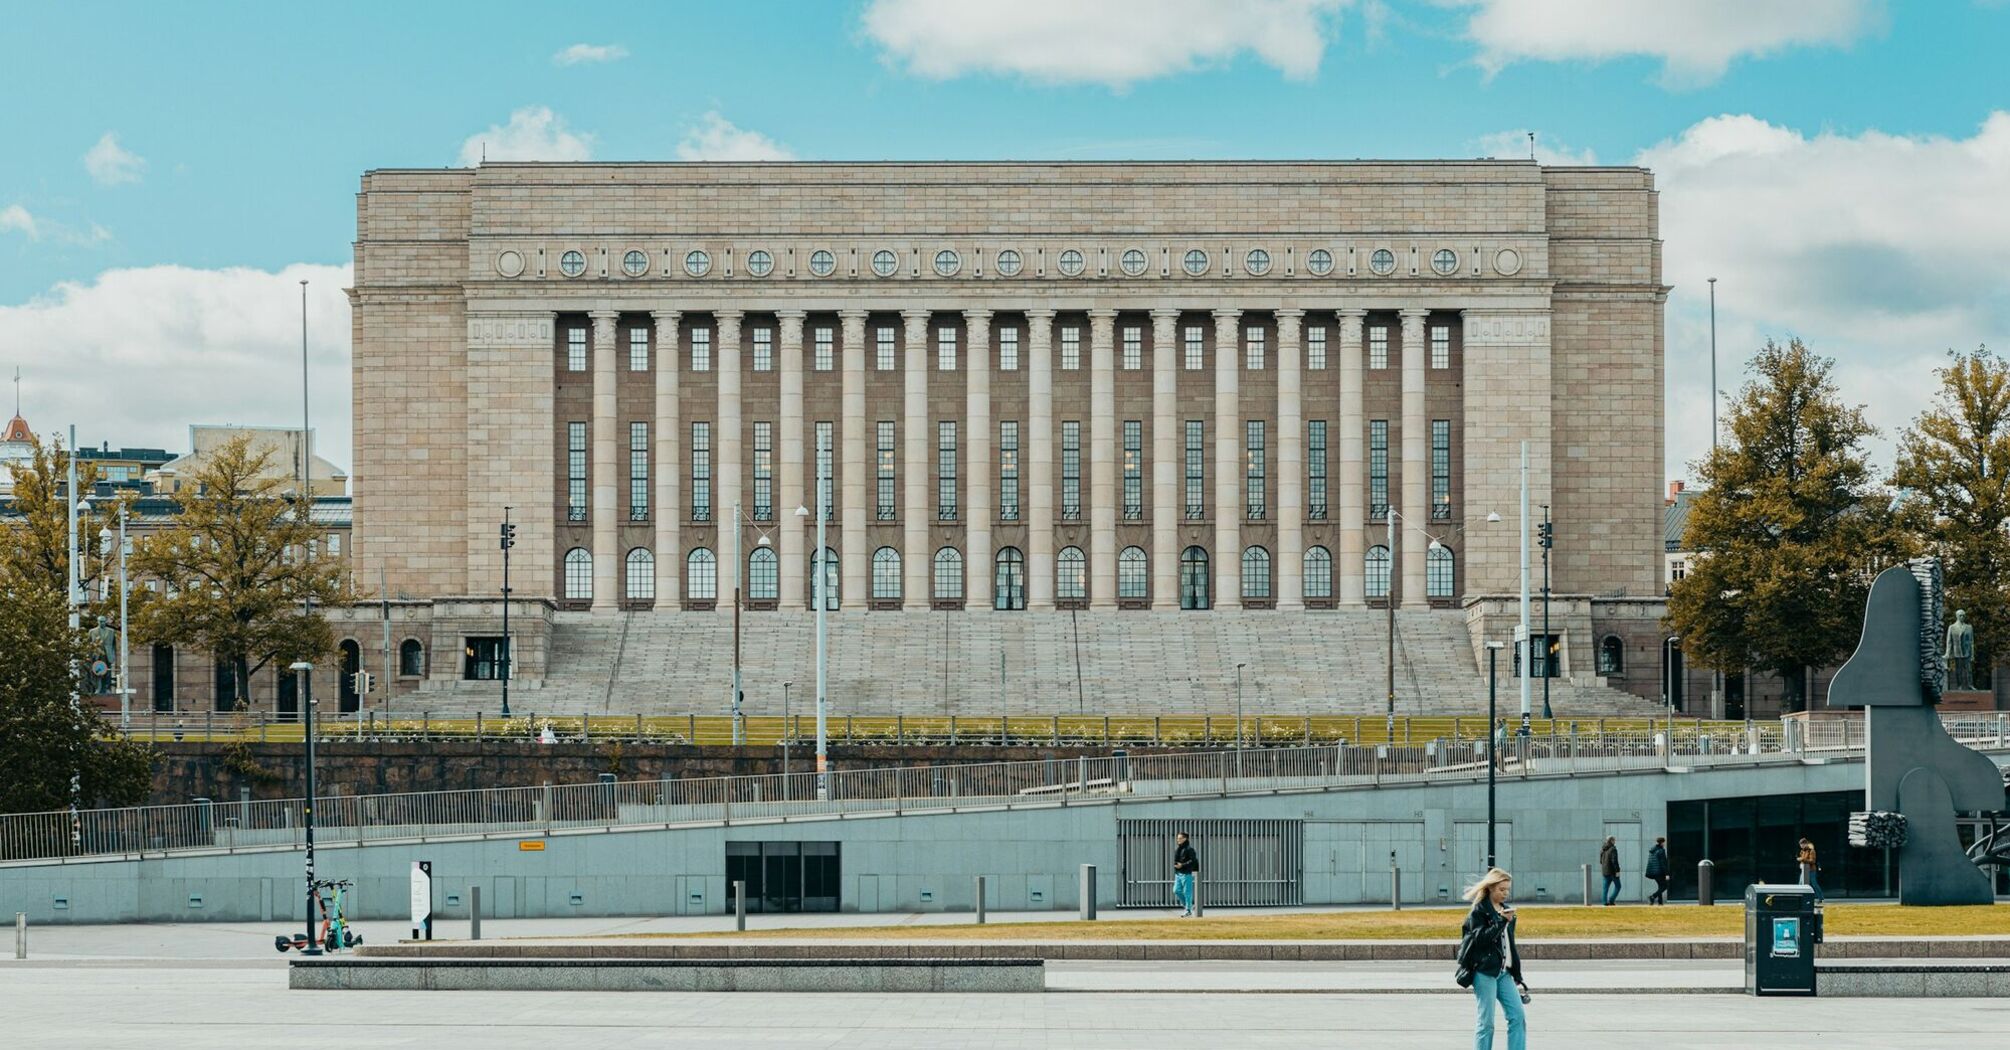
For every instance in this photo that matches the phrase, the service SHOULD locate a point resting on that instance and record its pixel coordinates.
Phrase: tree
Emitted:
(34, 539)
(232, 574)
(45, 736)
(1788, 530)
(1953, 479)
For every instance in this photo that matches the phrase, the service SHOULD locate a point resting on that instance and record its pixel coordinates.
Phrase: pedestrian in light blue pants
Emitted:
(1185, 866)
(1491, 960)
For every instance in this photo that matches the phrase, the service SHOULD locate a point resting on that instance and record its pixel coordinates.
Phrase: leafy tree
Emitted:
(1787, 531)
(34, 539)
(1953, 478)
(233, 571)
(45, 737)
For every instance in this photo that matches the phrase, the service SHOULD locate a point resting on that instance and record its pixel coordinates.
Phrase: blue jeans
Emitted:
(1811, 880)
(1489, 988)
(1183, 890)
(1611, 888)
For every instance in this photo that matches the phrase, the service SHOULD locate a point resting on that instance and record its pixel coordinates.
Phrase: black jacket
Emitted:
(1608, 860)
(1185, 860)
(1657, 862)
(1492, 938)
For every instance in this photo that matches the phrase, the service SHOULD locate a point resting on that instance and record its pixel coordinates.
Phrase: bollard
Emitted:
(980, 900)
(739, 905)
(1089, 892)
(1706, 883)
(1196, 895)
(1395, 884)
(474, 913)
(20, 935)
(1587, 884)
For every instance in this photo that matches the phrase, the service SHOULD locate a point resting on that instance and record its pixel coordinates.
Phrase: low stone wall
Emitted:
(1912, 980)
(670, 975)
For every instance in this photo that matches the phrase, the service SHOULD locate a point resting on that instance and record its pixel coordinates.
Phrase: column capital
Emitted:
(791, 324)
(1227, 314)
(1415, 313)
(1292, 312)
(729, 326)
(728, 315)
(604, 317)
(1353, 313)
(790, 315)
(1102, 313)
(667, 316)
(1165, 313)
(849, 314)
(1040, 313)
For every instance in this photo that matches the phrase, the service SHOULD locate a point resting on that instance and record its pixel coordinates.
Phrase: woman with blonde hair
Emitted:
(1489, 959)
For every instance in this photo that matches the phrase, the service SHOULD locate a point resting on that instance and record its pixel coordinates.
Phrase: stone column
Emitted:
(853, 559)
(978, 466)
(726, 446)
(606, 457)
(1166, 508)
(1290, 574)
(1351, 563)
(1227, 458)
(1102, 459)
(1039, 459)
(790, 494)
(1416, 511)
(920, 435)
(669, 464)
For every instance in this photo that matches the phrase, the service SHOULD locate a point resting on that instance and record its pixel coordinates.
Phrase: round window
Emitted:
(1257, 261)
(634, 264)
(509, 263)
(697, 263)
(1134, 262)
(822, 262)
(1382, 262)
(884, 263)
(1009, 263)
(1319, 261)
(947, 263)
(1195, 262)
(760, 263)
(1071, 263)
(572, 264)
(1445, 261)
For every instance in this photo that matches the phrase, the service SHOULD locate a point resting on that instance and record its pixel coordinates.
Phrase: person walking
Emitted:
(1657, 869)
(1489, 959)
(1608, 866)
(1186, 869)
(1810, 871)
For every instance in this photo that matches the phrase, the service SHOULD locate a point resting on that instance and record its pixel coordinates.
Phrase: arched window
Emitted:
(1008, 581)
(578, 575)
(1611, 656)
(352, 662)
(1071, 574)
(764, 575)
(948, 574)
(641, 575)
(1438, 574)
(885, 575)
(1193, 578)
(830, 564)
(1133, 574)
(1255, 572)
(1378, 571)
(701, 575)
(1318, 572)
(411, 659)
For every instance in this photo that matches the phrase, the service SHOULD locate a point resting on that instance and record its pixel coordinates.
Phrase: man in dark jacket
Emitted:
(1186, 867)
(1608, 865)
(1657, 869)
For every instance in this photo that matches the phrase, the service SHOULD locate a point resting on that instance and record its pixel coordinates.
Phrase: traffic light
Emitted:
(508, 535)
(365, 682)
(1546, 535)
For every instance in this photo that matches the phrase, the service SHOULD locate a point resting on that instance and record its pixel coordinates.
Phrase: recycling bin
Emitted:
(1781, 924)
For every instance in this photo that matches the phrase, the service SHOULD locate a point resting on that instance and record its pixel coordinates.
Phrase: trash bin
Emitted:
(1781, 923)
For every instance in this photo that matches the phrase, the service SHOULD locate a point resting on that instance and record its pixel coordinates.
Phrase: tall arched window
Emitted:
(948, 574)
(830, 563)
(1133, 574)
(1611, 656)
(1378, 571)
(701, 575)
(1193, 578)
(411, 659)
(1008, 581)
(578, 575)
(1438, 573)
(764, 575)
(1318, 572)
(1255, 572)
(1071, 575)
(641, 575)
(885, 575)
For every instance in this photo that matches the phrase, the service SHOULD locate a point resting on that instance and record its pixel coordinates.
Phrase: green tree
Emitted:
(1953, 480)
(34, 536)
(45, 736)
(1787, 531)
(236, 567)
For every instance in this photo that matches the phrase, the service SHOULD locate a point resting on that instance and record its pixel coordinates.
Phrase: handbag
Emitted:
(1464, 973)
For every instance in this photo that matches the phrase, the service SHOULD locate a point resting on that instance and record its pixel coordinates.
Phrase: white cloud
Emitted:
(16, 219)
(1882, 251)
(579, 53)
(533, 133)
(148, 351)
(1694, 39)
(1513, 145)
(111, 164)
(716, 138)
(1111, 42)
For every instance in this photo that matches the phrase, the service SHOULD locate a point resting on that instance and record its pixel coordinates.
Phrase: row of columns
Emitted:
(796, 477)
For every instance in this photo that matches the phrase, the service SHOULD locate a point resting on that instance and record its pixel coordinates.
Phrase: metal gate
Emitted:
(1250, 863)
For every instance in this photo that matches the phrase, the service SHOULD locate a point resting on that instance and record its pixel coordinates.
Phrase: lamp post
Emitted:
(1548, 644)
(508, 541)
(75, 600)
(740, 521)
(1389, 594)
(1238, 705)
(105, 538)
(1713, 364)
(818, 572)
(1493, 740)
(785, 736)
(1523, 650)
(306, 672)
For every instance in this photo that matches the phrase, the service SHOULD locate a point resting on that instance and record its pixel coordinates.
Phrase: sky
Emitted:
(169, 174)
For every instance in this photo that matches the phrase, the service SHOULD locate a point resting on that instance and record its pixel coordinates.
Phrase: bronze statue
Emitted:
(1960, 653)
(99, 677)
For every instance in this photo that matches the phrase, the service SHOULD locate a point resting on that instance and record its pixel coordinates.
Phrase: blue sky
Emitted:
(179, 167)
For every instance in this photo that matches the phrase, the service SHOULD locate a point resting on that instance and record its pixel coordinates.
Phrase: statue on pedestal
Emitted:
(99, 678)
(1960, 653)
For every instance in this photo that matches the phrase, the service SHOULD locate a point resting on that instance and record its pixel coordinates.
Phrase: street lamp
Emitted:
(1389, 595)
(785, 737)
(1548, 540)
(1493, 741)
(306, 672)
(508, 541)
(125, 686)
(1238, 718)
(75, 600)
(818, 572)
(739, 569)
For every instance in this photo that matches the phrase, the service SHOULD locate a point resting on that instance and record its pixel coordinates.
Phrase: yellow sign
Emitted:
(531, 846)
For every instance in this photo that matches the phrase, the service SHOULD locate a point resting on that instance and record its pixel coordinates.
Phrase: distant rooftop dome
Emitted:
(17, 430)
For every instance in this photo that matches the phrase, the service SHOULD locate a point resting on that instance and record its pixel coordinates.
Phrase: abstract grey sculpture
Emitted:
(1960, 653)
(1912, 766)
